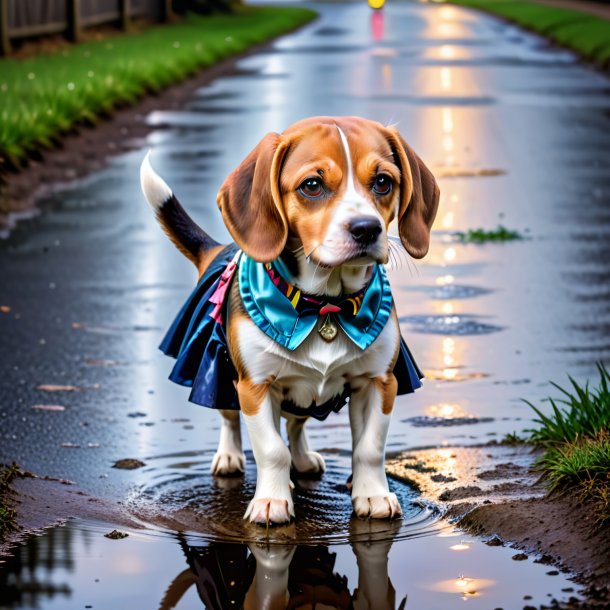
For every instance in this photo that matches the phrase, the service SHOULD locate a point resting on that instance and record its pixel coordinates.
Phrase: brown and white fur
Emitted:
(317, 195)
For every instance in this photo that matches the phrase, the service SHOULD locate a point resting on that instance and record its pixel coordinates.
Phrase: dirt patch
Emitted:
(87, 149)
(559, 528)
(39, 503)
(461, 493)
(495, 492)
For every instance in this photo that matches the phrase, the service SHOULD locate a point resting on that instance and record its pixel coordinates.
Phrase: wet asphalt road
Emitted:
(92, 283)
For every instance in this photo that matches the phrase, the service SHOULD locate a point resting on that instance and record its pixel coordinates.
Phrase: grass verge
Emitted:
(576, 443)
(46, 96)
(587, 35)
(7, 513)
(482, 236)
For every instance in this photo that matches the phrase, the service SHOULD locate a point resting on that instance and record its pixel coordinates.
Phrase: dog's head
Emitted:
(334, 185)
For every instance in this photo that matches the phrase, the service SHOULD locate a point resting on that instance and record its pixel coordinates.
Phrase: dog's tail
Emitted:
(186, 234)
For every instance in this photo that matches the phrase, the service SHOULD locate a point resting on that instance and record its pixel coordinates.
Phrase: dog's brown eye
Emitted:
(312, 188)
(382, 184)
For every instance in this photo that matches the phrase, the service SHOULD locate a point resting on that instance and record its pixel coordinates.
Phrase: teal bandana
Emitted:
(288, 316)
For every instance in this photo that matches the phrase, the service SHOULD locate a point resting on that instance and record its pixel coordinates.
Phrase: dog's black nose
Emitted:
(365, 230)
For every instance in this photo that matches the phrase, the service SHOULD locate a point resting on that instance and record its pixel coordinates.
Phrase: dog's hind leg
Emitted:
(304, 460)
(229, 458)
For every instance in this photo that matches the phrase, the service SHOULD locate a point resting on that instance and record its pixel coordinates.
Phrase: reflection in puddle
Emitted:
(461, 324)
(452, 374)
(456, 291)
(200, 553)
(75, 566)
(421, 421)
(445, 414)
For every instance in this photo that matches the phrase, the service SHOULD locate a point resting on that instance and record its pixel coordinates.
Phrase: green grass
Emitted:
(513, 439)
(586, 34)
(46, 96)
(581, 412)
(481, 236)
(576, 442)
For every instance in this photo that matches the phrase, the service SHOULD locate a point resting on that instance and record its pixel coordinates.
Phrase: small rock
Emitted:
(495, 540)
(519, 557)
(136, 414)
(438, 478)
(545, 560)
(553, 573)
(128, 464)
(116, 535)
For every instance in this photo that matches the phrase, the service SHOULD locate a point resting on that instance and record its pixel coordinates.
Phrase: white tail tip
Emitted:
(155, 189)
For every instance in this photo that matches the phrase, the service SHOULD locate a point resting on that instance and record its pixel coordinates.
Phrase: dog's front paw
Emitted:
(268, 511)
(228, 464)
(310, 462)
(377, 507)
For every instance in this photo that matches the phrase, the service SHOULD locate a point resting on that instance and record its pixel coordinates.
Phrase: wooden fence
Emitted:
(31, 18)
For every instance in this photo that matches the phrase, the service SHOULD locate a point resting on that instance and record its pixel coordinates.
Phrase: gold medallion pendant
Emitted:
(328, 330)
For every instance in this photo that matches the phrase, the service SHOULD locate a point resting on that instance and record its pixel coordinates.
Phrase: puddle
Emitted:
(192, 500)
(451, 291)
(448, 325)
(426, 420)
(200, 554)
(76, 566)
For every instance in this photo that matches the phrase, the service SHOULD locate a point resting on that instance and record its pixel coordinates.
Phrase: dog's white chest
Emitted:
(317, 370)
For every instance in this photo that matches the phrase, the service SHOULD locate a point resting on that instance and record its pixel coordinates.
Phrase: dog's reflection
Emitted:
(289, 577)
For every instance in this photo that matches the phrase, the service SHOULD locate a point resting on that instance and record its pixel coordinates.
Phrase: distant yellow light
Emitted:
(376, 4)
(444, 280)
(449, 254)
(448, 220)
(447, 308)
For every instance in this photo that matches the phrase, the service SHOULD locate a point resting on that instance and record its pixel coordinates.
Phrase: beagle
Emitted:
(296, 319)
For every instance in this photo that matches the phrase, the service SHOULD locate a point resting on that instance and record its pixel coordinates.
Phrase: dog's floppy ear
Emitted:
(418, 204)
(251, 203)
